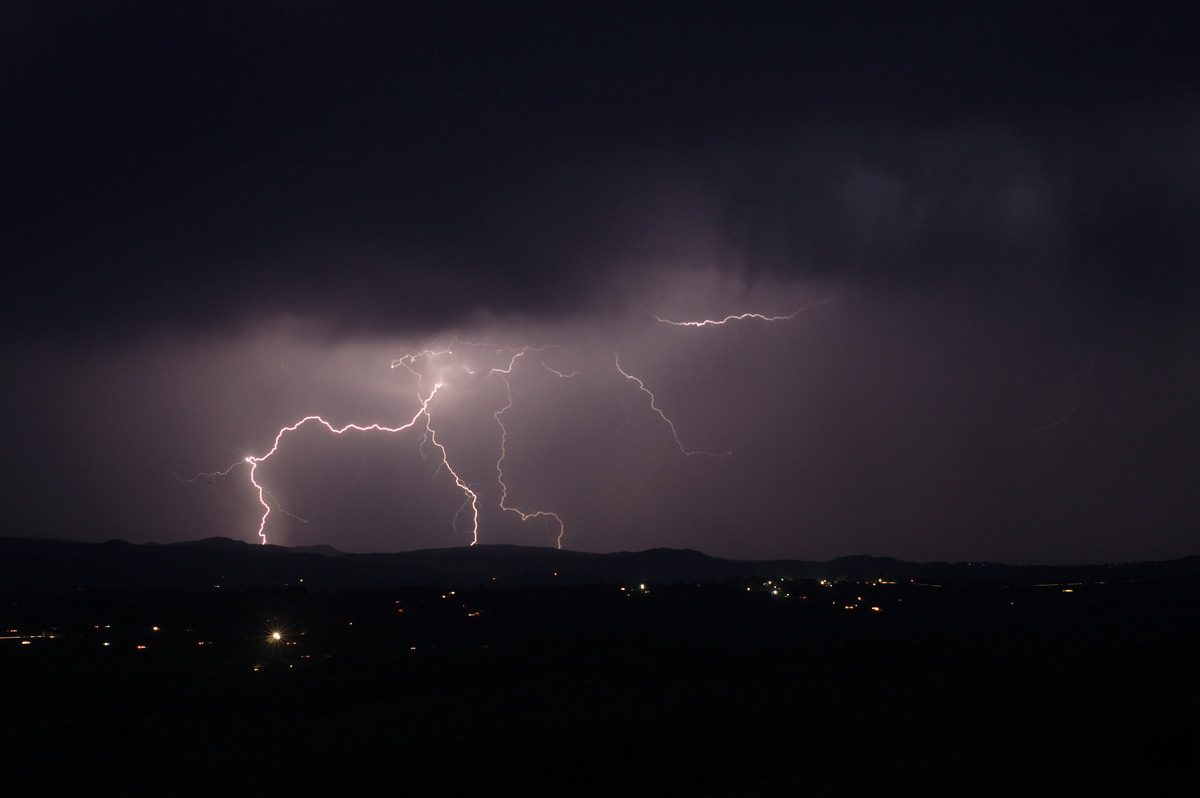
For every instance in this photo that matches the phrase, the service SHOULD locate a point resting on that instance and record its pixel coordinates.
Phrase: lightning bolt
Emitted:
(434, 365)
(523, 515)
(654, 406)
(472, 497)
(740, 317)
(254, 461)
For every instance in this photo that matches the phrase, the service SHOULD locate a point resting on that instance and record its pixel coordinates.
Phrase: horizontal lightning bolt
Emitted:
(740, 317)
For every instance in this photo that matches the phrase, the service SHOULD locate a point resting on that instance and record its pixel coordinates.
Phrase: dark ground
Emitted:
(716, 689)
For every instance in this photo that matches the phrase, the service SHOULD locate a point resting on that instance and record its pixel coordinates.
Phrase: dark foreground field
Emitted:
(787, 686)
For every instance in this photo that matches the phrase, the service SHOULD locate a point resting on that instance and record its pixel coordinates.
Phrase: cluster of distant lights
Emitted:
(276, 637)
(431, 366)
(780, 589)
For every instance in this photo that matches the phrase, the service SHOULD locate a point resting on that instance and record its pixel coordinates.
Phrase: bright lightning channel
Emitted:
(422, 420)
(740, 317)
(670, 424)
(254, 461)
(418, 363)
(523, 515)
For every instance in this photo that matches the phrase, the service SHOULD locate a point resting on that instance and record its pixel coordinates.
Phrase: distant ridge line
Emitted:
(217, 562)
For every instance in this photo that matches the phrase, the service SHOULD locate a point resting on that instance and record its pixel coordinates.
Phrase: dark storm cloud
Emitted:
(215, 226)
(404, 167)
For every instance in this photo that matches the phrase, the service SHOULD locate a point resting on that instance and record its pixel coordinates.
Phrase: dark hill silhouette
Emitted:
(129, 657)
(68, 565)
(226, 544)
(42, 564)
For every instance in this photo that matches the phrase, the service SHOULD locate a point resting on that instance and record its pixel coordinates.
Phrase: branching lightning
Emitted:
(434, 369)
(522, 514)
(254, 461)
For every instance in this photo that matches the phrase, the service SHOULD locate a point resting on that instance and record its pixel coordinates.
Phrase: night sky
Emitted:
(216, 222)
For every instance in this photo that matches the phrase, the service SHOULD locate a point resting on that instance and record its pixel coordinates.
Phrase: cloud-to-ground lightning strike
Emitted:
(435, 366)
(254, 461)
(524, 516)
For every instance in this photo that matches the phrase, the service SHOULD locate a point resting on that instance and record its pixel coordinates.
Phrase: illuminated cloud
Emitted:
(997, 271)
